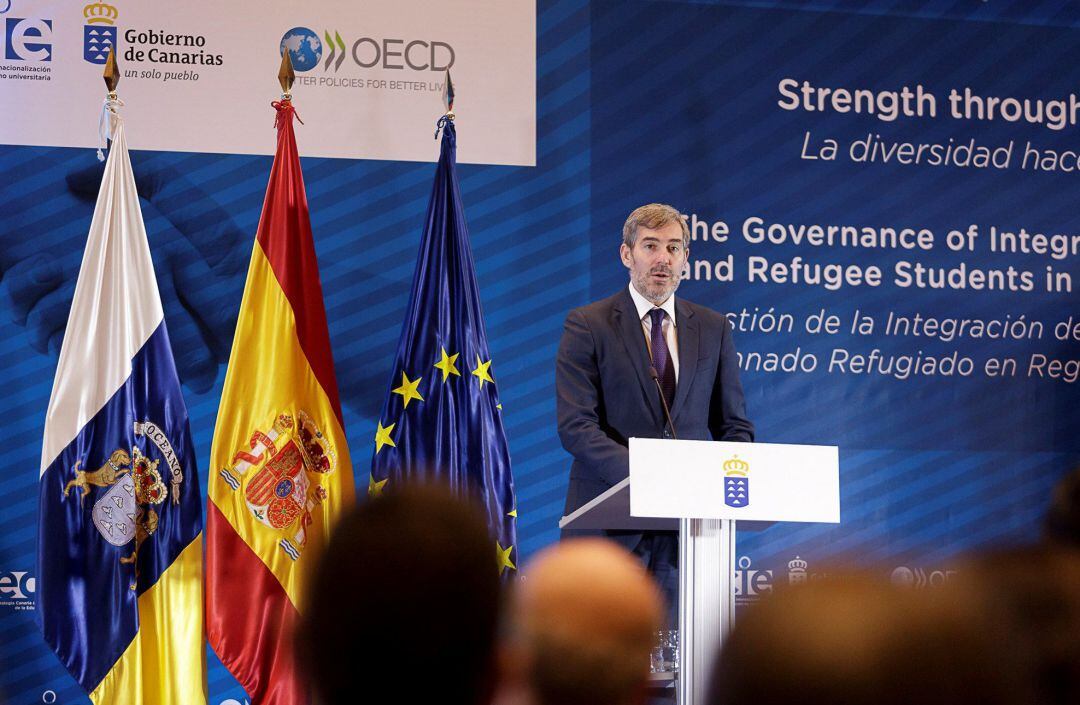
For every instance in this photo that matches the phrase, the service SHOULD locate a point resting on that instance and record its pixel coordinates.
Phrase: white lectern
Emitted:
(701, 488)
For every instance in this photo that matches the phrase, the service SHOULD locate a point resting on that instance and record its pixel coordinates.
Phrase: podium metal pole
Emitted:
(706, 601)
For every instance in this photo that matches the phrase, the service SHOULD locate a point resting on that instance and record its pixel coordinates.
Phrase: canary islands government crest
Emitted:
(736, 482)
(134, 488)
(99, 32)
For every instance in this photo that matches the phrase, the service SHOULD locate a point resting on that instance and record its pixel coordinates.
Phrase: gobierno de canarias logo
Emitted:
(736, 482)
(99, 32)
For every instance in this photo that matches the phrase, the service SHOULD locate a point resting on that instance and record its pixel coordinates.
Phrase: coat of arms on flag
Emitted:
(279, 473)
(125, 511)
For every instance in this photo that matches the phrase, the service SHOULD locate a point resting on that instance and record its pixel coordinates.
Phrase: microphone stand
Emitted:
(663, 401)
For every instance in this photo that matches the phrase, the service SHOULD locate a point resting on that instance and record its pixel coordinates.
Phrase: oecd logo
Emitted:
(99, 32)
(304, 47)
(919, 579)
(27, 39)
(17, 590)
(736, 482)
(306, 50)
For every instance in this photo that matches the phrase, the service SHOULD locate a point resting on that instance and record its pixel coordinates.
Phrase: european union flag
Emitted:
(442, 418)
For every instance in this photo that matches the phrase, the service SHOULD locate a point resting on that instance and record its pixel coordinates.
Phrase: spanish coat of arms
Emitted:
(278, 474)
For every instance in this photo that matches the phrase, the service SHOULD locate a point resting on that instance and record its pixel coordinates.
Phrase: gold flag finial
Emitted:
(111, 74)
(448, 96)
(286, 76)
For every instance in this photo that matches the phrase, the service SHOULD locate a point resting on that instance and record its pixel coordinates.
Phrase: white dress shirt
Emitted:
(643, 307)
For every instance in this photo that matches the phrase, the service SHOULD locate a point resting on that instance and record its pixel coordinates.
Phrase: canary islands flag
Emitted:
(442, 418)
(281, 473)
(120, 545)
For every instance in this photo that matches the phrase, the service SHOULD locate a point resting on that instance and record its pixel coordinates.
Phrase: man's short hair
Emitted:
(403, 604)
(653, 216)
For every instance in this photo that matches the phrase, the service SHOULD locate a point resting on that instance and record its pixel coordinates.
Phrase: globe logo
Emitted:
(903, 577)
(303, 46)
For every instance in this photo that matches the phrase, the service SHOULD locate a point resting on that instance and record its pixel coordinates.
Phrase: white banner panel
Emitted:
(198, 75)
(719, 480)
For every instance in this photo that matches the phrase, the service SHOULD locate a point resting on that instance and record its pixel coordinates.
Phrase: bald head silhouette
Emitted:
(583, 622)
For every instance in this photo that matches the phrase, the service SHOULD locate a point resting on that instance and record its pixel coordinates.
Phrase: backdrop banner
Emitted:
(369, 75)
(883, 206)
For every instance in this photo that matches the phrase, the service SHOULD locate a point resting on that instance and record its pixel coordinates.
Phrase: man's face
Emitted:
(656, 261)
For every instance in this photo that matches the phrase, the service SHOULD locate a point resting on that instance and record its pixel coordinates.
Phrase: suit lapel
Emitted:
(633, 339)
(687, 337)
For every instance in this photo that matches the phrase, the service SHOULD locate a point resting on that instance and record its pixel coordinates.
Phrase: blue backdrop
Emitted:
(637, 101)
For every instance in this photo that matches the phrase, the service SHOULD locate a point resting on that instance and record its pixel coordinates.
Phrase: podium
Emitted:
(700, 489)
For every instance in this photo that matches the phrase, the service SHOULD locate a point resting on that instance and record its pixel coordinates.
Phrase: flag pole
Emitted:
(448, 97)
(286, 76)
(111, 74)
(448, 103)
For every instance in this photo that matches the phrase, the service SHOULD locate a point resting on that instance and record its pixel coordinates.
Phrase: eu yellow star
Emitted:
(382, 437)
(482, 372)
(512, 514)
(374, 489)
(446, 365)
(504, 557)
(408, 389)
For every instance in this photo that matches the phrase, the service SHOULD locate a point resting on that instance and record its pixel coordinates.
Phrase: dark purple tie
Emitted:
(661, 359)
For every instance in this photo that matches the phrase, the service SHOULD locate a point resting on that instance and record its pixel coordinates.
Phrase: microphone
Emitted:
(663, 400)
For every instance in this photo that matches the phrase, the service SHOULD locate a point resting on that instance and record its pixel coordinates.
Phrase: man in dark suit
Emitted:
(605, 393)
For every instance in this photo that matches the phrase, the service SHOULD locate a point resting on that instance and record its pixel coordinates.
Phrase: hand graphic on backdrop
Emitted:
(199, 252)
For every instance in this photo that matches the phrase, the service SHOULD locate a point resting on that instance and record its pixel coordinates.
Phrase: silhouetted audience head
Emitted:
(402, 607)
(857, 641)
(1034, 593)
(581, 626)
(1063, 519)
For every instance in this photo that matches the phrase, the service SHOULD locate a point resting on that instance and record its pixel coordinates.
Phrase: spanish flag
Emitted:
(280, 468)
